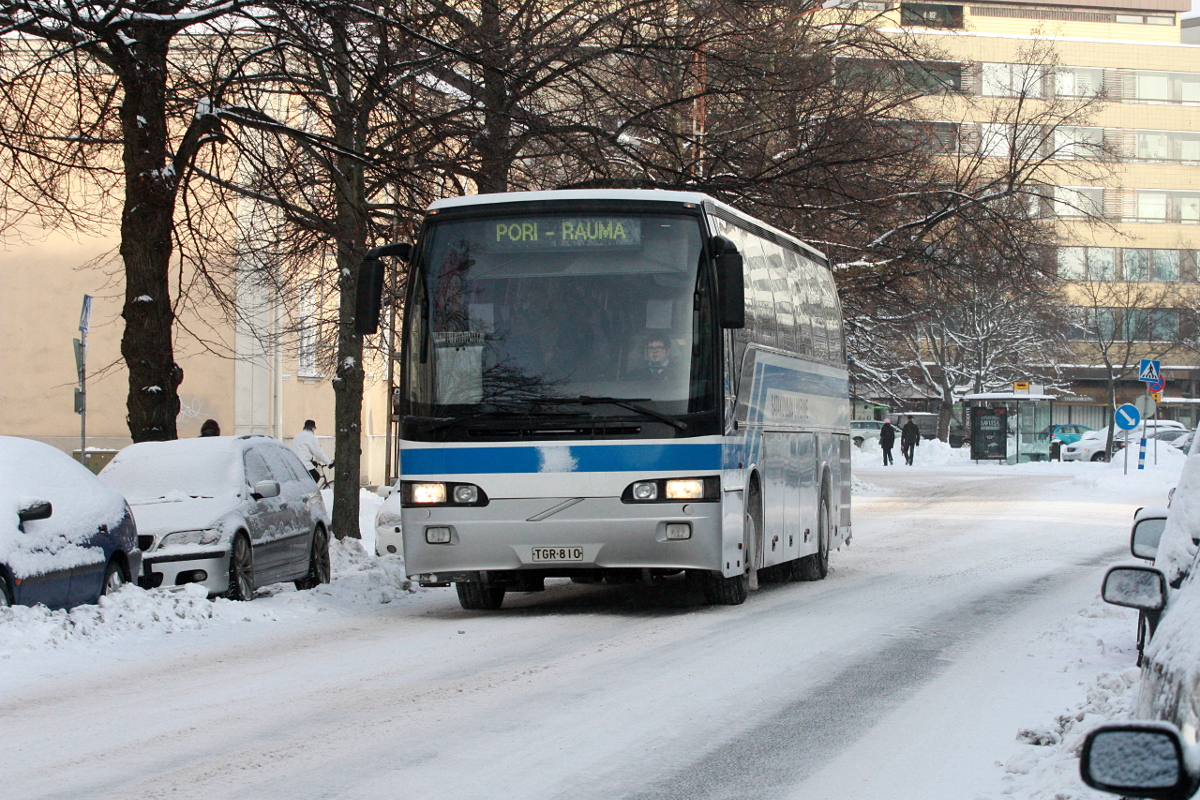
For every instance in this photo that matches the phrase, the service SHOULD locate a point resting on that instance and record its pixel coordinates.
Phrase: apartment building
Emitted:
(1131, 62)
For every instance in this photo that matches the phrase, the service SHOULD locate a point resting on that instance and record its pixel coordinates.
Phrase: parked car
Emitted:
(1184, 443)
(1067, 434)
(231, 513)
(1091, 445)
(863, 429)
(1059, 435)
(927, 422)
(389, 540)
(65, 537)
(1168, 596)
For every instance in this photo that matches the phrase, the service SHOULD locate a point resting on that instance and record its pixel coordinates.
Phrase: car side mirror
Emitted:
(731, 285)
(39, 510)
(1137, 759)
(384, 491)
(264, 489)
(1148, 527)
(1140, 587)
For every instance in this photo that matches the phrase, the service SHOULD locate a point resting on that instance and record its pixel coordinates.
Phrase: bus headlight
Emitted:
(428, 493)
(437, 493)
(685, 489)
(673, 490)
(645, 490)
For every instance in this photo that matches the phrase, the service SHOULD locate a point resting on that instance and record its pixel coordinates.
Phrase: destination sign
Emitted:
(560, 233)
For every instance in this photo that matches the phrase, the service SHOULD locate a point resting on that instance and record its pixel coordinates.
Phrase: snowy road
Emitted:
(907, 673)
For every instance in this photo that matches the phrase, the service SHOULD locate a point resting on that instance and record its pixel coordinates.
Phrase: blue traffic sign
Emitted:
(1149, 370)
(1127, 417)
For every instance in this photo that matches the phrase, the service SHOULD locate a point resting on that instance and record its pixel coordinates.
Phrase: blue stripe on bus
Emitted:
(561, 458)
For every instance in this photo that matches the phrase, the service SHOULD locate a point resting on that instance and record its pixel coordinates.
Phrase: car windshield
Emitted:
(174, 471)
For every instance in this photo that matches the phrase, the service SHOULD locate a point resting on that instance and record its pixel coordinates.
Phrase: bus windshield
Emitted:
(548, 312)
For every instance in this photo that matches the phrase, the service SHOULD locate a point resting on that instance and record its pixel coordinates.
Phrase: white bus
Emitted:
(618, 385)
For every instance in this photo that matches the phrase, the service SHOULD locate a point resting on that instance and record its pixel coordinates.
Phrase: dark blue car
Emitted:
(65, 537)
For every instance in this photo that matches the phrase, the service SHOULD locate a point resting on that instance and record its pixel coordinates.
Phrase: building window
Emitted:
(1072, 143)
(1150, 324)
(1078, 202)
(1167, 87)
(931, 15)
(1168, 146)
(1167, 206)
(308, 335)
(1012, 80)
(1078, 81)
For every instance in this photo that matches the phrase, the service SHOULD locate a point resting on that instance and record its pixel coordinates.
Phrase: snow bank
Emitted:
(929, 453)
(1099, 646)
(134, 613)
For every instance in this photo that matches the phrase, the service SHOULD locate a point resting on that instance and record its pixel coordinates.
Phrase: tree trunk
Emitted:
(146, 247)
(351, 246)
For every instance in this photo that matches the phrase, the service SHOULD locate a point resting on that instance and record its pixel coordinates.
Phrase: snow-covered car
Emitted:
(231, 513)
(863, 429)
(388, 538)
(1091, 445)
(65, 537)
(1168, 596)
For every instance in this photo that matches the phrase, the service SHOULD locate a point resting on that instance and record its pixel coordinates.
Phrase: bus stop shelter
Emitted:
(1009, 427)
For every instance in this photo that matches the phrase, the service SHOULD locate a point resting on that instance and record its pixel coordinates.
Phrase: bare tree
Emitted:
(1116, 324)
(89, 98)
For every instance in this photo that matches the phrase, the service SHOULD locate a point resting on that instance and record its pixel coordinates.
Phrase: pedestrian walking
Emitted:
(910, 437)
(306, 447)
(887, 439)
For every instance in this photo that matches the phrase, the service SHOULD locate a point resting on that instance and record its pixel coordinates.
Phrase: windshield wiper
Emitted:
(631, 403)
(439, 423)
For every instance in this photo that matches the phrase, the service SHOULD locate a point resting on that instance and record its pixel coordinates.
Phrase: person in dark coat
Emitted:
(910, 437)
(210, 428)
(887, 439)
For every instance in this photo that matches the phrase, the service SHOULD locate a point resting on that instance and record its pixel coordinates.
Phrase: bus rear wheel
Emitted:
(474, 596)
(814, 567)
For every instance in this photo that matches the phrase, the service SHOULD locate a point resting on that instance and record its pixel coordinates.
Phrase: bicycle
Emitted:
(326, 474)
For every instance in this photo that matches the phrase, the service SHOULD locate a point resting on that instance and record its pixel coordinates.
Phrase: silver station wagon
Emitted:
(231, 513)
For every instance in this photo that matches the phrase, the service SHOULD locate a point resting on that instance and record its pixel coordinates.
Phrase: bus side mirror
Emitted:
(731, 286)
(368, 297)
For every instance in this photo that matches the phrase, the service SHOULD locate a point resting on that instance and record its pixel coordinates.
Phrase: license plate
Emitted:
(558, 554)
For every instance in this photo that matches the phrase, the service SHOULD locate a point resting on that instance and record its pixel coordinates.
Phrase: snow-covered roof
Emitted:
(1009, 396)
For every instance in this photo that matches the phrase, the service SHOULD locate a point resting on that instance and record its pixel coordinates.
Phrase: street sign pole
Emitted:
(85, 323)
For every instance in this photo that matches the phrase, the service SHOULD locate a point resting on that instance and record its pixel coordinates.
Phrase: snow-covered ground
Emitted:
(957, 650)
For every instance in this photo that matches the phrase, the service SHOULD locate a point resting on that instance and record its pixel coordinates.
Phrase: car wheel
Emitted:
(318, 561)
(241, 569)
(6, 595)
(858, 440)
(114, 578)
(815, 566)
(1101, 456)
(474, 596)
(722, 591)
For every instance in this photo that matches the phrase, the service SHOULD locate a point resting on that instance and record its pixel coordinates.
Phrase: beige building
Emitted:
(243, 376)
(1128, 59)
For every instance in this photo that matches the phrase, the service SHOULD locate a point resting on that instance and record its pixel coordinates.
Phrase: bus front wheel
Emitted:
(722, 591)
(474, 596)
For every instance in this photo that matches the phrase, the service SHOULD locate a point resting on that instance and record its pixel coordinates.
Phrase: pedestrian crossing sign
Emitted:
(1149, 370)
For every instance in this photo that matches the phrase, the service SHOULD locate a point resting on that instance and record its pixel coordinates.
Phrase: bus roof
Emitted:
(643, 195)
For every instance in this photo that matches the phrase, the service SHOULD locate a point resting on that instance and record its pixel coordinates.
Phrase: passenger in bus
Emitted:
(658, 366)
(887, 439)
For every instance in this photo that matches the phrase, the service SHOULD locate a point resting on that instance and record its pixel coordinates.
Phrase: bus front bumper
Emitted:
(559, 536)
